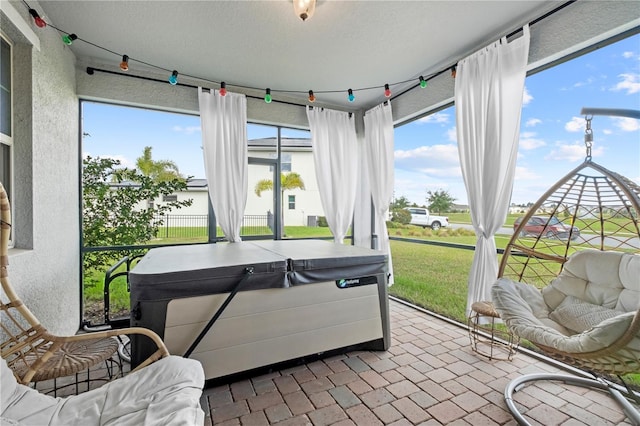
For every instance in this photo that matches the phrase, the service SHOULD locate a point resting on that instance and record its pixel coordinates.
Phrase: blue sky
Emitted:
(426, 156)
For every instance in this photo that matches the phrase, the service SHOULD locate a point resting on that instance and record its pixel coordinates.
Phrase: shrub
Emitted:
(401, 216)
(322, 222)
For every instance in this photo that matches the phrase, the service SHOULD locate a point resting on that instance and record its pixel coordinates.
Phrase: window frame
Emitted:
(6, 140)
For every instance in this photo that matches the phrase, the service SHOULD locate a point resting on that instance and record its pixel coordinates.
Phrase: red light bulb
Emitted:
(387, 91)
(223, 89)
(37, 19)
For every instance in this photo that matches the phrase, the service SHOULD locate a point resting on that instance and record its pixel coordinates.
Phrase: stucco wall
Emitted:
(44, 266)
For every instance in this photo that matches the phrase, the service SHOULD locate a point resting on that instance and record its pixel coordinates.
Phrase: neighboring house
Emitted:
(299, 205)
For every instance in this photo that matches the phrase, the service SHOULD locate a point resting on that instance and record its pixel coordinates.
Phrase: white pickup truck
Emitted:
(421, 217)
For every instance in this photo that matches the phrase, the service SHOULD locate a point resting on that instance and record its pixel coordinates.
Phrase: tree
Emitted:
(288, 181)
(440, 201)
(109, 216)
(399, 203)
(158, 170)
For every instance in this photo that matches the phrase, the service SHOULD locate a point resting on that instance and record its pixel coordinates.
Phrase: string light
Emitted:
(69, 38)
(173, 79)
(37, 19)
(124, 65)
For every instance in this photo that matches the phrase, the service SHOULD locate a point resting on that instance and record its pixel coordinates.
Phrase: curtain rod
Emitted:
(91, 70)
(511, 34)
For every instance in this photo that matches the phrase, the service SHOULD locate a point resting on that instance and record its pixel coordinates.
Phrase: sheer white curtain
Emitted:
(378, 147)
(488, 96)
(335, 150)
(224, 141)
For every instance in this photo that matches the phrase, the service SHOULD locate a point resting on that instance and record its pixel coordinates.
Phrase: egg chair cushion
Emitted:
(166, 392)
(589, 306)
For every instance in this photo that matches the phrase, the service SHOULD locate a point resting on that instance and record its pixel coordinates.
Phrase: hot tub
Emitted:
(295, 298)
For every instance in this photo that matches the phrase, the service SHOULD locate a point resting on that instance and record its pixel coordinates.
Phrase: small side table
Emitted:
(486, 339)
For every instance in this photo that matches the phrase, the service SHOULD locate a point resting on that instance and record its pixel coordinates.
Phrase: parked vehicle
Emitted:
(547, 226)
(421, 217)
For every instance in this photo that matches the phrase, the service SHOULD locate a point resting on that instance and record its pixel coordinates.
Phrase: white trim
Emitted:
(16, 19)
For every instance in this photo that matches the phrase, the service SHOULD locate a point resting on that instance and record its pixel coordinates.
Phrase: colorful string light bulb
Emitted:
(173, 79)
(69, 38)
(267, 96)
(37, 19)
(387, 91)
(312, 97)
(124, 65)
(423, 82)
(350, 95)
(453, 71)
(223, 89)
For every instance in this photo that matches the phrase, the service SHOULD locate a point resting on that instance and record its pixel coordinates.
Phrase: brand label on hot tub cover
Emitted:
(354, 282)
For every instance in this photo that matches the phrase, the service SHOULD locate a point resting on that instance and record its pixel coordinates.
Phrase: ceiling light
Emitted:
(304, 9)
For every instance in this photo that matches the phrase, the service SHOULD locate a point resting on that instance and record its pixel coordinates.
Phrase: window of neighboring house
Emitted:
(6, 115)
(170, 198)
(292, 202)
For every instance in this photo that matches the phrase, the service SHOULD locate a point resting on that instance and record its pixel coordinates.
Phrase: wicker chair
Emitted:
(31, 351)
(589, 273)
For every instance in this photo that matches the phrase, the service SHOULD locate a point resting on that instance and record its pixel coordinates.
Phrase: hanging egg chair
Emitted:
(569, 279)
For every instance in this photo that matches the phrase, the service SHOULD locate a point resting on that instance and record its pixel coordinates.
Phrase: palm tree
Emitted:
(160, 170)
(288, 181)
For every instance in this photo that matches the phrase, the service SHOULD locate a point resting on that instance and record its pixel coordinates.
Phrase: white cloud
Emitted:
(532, 122)
(188, 130)
(443, 172)
(576, 124)
(452, 134)
(523, 173)
(607, 131)
(628, 55)
(627, 124)
(630, 83)
(528, 141)
(438, 117)
(572, 152)
(526, 97)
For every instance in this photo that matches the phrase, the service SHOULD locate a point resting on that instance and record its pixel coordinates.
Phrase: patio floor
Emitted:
(429, 376)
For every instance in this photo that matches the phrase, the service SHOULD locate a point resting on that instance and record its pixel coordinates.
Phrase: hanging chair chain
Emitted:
(588, 137)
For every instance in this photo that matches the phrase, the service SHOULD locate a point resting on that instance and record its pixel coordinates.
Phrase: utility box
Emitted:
(312, 221)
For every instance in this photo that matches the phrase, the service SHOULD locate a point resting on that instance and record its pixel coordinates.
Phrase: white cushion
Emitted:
(579, 316)
(165, 393)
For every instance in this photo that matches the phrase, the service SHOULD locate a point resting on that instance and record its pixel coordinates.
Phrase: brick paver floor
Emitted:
(429, 376)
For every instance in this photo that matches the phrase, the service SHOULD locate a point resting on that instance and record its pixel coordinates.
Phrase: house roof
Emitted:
(363, 45)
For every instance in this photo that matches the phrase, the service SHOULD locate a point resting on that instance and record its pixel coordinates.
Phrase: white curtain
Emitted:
(378, 147)
(224, 142)
(488, 96)
(335, 149)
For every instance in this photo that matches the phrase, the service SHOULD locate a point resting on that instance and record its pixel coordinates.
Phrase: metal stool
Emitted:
(486, 339)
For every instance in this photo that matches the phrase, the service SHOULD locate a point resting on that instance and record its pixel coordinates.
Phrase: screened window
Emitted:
(292, 202)
(6, 114)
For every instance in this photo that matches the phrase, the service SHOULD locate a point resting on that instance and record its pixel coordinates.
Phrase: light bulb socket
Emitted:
(69, 38)
(37, 19)
(124, 65)
(387, 91)
(173, 79)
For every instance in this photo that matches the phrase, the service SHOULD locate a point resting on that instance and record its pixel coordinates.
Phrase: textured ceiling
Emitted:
(260, 44)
